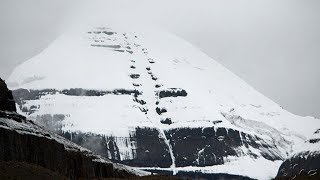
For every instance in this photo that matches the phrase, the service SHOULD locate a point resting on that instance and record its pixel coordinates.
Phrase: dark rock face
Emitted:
(23, 170)
(26, 142)
(207, 146)
(13, 116)
(191, 146)
(185, 175)
(150, 149)
(6, 99)
(303, 165)
(52, 155)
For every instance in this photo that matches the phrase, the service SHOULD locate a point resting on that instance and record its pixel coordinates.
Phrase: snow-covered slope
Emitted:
(126, 85)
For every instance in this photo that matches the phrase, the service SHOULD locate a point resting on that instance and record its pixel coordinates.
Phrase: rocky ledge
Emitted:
(22, 141)
(304, 164)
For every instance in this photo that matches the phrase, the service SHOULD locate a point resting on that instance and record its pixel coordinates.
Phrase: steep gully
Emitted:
(147, 65)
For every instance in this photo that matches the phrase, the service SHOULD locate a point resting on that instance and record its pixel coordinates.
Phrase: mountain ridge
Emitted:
(170, 92)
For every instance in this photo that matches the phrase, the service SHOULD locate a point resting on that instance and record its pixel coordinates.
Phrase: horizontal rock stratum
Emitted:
(29, 151)
(150, 99)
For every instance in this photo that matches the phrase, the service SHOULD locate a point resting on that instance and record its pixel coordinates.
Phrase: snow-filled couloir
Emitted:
(151, 99)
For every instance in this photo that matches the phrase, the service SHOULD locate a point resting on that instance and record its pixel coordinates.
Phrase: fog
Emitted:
(273, 45)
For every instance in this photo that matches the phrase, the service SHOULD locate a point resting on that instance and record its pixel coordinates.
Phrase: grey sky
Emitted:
(273, 45)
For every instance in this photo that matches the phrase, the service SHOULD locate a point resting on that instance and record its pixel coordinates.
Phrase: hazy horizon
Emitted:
(274, 46)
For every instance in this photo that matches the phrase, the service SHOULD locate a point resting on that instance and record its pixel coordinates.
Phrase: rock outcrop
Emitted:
(304, 164)
(22, 140)
(6, 99)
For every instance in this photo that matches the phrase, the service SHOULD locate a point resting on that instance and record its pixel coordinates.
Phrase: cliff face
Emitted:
(52, 155)
(304, 164)
(23, 141)
(213, 144)
(6, 99)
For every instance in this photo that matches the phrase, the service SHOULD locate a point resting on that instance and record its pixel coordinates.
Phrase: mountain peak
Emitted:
(143, 97)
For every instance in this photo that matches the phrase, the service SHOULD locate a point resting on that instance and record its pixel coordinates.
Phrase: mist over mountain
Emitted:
(272, 45)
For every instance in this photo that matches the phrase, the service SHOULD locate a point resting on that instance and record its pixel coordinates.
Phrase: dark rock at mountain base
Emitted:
(185, 175)
(49, 154)
(6, 99)
(25, 171)
(151, 150)
(100, 144)
(207, 146)
(191, 146)
(303, 166)
(13, 116)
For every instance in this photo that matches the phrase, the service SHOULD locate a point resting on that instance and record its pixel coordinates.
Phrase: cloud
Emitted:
(273, 45)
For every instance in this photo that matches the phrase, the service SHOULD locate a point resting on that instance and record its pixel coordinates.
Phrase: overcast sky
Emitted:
(273, 45)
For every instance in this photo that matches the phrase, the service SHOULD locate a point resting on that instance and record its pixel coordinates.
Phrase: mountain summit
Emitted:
(151, 99)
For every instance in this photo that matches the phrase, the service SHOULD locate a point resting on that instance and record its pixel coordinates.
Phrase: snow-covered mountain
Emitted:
(151, 99)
